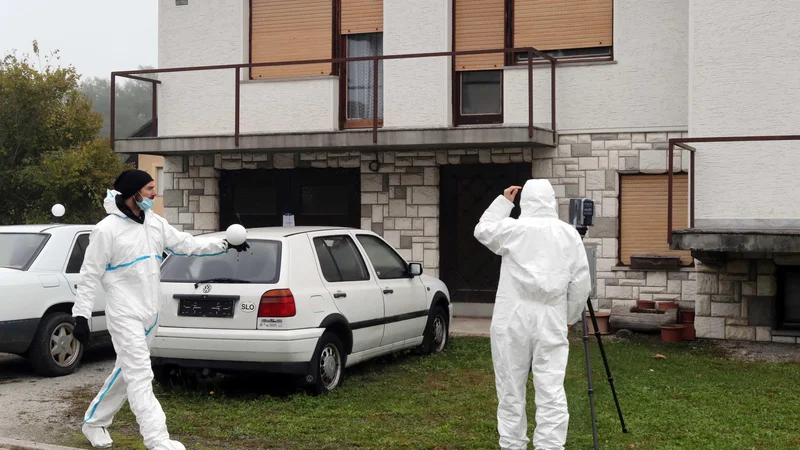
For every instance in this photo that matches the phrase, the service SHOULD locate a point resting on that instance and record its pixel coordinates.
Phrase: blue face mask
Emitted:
(145, 204)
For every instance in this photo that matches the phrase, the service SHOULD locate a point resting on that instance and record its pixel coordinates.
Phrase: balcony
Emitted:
(220, 109)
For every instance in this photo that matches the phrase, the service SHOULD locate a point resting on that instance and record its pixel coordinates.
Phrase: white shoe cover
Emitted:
(169, 445)
(97, 436)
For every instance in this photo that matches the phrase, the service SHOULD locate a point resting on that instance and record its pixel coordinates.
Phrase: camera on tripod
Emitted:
(581, 213)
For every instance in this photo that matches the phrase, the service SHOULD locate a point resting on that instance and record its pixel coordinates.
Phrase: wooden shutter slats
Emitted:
(289, 30)
(480, 25)
(643, 215)
(563, 24)
(362, 16)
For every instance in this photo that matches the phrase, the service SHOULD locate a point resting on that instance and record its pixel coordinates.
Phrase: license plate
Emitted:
(205, 308)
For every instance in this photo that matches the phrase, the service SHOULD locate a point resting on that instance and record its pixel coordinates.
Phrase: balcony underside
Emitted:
(711, 245)
(349, 140)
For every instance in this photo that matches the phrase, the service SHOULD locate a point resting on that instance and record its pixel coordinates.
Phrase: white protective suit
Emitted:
(544, 285)
(125, 256)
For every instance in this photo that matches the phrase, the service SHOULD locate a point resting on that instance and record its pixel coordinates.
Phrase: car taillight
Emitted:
(277, 303)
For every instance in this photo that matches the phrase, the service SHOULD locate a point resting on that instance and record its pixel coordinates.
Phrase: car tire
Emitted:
(437, 333)
(327, 364)
(54, 351)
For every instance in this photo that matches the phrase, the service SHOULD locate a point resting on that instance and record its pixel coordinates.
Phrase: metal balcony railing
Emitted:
(683, 143)
(137, 75)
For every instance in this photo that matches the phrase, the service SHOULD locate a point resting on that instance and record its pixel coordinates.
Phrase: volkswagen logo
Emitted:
(207, 288)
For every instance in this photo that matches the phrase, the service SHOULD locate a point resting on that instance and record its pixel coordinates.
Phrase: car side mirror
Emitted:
(415, 269)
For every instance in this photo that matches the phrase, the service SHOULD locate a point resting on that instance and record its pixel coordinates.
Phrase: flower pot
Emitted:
(686, 316)
(688, 331)
(668, 305)
(602, 321)
(646, 304)
(672, 333)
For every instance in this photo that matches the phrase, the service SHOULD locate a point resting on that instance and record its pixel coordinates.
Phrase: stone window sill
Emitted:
(628, 269)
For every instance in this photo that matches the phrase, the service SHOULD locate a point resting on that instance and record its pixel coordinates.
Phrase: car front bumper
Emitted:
(273, 351)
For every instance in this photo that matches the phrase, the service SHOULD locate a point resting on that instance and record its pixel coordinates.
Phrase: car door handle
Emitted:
(388, 291)
(340, 295)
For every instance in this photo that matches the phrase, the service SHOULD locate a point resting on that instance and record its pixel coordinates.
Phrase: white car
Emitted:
(303, 301)
(39, 269)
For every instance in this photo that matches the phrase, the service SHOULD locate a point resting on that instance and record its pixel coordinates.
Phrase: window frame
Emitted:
(391, 249)
(344, 122)
(476, 119)
(72, 250)
(780, 298)
(355, 247)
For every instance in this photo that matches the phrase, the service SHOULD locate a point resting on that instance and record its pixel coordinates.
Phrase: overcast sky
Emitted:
(95, 36)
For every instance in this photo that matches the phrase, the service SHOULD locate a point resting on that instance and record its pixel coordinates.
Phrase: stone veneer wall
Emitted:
(589, 166)
(736, 299)
(401, 200)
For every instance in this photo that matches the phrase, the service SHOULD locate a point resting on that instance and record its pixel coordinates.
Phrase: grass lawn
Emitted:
(694, 399)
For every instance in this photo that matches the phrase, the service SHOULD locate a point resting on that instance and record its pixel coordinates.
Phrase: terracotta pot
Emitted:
(667, 305)
(686, 316)
(688, 331)
(602, 321)
(672, 333)
(646, 304)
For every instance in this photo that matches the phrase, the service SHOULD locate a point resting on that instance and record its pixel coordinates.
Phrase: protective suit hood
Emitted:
(538, 199)
(110, 203)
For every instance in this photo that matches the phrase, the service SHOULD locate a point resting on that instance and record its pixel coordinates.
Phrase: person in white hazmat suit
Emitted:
(544, 285)
(123, 254)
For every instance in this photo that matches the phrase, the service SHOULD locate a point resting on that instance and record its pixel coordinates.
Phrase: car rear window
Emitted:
(261, 264)
(18, 250)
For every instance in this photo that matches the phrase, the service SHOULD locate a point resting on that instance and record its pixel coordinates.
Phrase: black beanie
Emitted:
(132, 181)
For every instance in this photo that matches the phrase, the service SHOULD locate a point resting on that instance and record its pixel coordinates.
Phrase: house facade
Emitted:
(252, 144)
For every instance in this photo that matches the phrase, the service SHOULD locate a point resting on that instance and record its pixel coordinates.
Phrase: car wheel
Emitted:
(54, 351)
(327, 365)
(436, 333)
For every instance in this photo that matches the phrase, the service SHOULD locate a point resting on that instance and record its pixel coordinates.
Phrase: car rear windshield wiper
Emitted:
(220, 280)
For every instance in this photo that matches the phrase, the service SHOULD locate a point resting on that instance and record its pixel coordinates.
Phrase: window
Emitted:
(788, 304)
(261, 264)
(643, 215)
(18, 250)
(291, 30)
(78, 251)
(479, 25)
(340, 259)
(564, 29)
(360, 78)
(387, 263)
(160, 180)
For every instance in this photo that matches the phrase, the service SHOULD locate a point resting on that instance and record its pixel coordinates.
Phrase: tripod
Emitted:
(582, 231)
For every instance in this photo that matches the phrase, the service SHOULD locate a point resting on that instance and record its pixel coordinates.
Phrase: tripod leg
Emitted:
(605, 363)
(589, 378)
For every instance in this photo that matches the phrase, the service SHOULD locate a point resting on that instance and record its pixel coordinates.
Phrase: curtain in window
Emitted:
(360, 83)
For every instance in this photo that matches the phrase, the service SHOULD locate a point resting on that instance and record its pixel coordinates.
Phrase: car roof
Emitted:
(280, 232)
(43, 228)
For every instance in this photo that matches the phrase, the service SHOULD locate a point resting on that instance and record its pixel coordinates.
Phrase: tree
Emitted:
(50, 151)
(133, 102)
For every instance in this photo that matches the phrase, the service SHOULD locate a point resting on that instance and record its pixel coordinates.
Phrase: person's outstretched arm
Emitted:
(184, 244)
(580, 284)
(495, 226)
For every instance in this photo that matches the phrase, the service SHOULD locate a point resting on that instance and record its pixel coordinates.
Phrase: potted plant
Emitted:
(652, 261)
(672, 332)
(686, 318)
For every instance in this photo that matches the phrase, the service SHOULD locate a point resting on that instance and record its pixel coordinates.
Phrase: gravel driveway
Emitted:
(33, 408)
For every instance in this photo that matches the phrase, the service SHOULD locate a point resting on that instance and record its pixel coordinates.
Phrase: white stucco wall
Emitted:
(203, 103)
(417, 92)
(745, 80)
(645, 88)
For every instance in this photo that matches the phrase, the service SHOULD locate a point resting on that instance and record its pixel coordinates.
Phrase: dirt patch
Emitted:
(769, 352)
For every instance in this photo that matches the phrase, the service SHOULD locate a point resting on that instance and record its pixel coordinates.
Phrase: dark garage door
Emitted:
(468, 268)
(316, 197)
